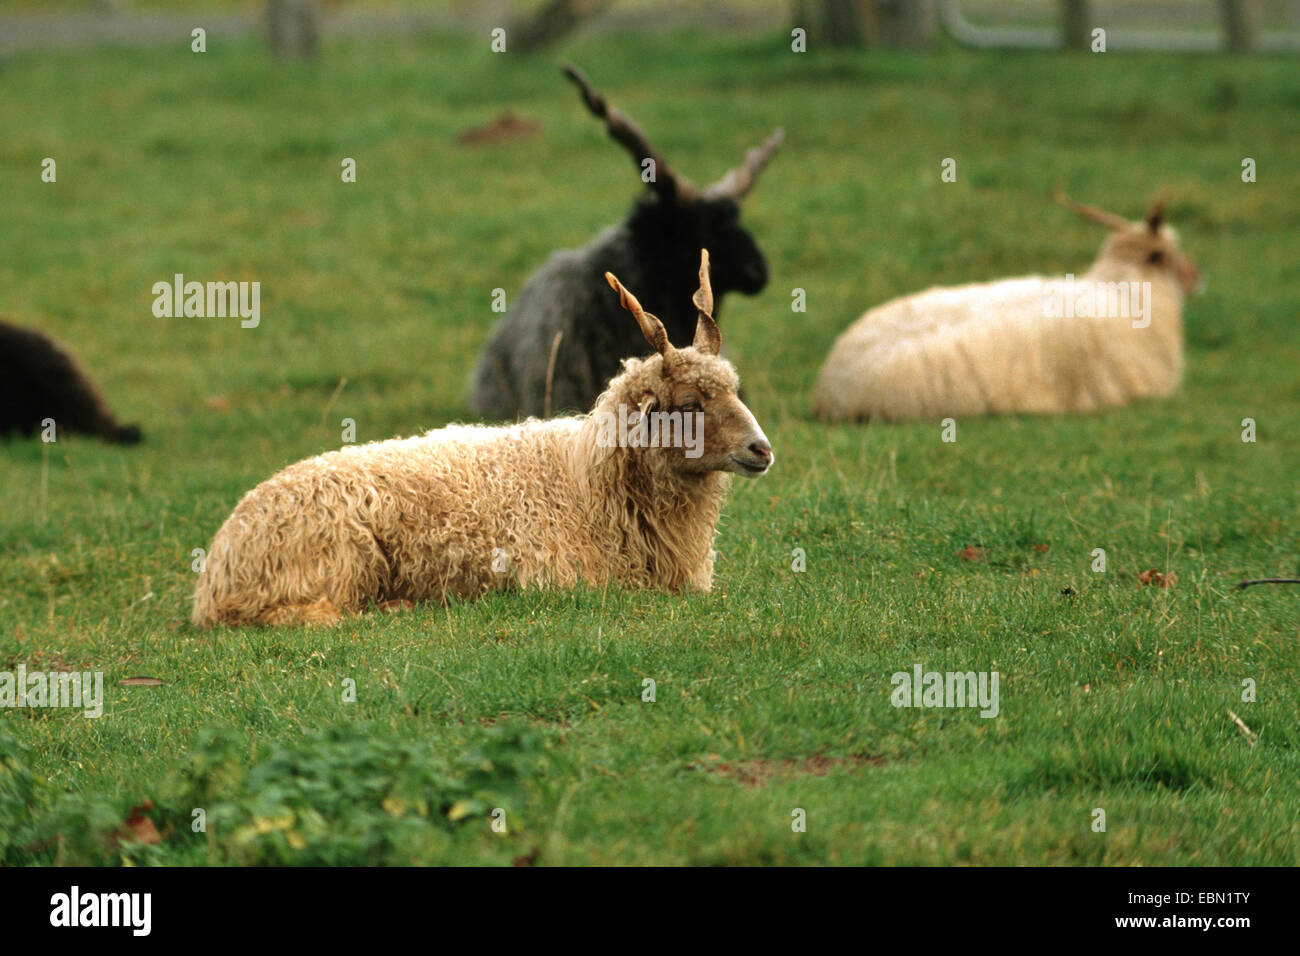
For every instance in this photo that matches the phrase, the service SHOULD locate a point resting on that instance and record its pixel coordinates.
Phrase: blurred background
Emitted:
(1241, 25)
(472, 167)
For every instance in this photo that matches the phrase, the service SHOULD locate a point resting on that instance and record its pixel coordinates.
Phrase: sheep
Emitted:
(39, 381)
(608, 497)
(1033, 344)
(561, 341)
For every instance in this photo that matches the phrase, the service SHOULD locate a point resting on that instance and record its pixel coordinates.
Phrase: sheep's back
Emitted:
(415, 518)
(456, 478)
(987, 348)
(568, 296)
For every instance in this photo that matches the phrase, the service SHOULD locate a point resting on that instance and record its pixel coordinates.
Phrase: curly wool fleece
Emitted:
(464, 510)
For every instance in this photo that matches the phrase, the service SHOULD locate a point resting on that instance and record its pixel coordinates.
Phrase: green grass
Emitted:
(773, 690)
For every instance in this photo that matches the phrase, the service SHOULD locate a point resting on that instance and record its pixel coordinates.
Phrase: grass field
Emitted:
(773, 691)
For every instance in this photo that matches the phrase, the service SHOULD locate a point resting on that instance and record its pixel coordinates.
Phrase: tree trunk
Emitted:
(555, 20)
(1076, 25)
(893, 24)
(293, 28)
(907, 24)
(1238, 25)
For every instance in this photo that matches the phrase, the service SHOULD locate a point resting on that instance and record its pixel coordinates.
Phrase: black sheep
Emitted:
(565, 335)
(38, 380)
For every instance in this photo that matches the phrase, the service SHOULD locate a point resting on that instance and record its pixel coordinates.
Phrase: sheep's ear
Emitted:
(671, 186)
(1093, 214)
(707, 337)
(1157, 215)
(651, 327)
(741, 180)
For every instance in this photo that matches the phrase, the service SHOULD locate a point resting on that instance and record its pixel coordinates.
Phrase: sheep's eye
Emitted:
(1156, 256)
(690, 407)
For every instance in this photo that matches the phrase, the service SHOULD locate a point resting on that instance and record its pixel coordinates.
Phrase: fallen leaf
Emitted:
(971, 553)
(509, 125)
(141, 826)
(1157, 579)
(218, 403)
(459, 810)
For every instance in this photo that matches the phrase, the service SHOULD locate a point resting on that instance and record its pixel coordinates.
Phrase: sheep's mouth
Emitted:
(750, 468)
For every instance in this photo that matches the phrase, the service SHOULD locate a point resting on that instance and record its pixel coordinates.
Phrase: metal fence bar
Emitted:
(1052, 38)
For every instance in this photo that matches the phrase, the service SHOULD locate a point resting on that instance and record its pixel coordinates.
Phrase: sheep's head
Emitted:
(684, 216)
(686, 398)
(1150, 244)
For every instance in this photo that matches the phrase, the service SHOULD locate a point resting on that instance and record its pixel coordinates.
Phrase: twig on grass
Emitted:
(1251, 736)
(1245, 584)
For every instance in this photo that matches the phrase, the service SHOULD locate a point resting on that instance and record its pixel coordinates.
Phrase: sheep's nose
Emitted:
(755, 277)
(762, 450)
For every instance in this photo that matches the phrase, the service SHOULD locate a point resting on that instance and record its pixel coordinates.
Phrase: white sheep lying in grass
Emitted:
(1034, 344)
(468, 509)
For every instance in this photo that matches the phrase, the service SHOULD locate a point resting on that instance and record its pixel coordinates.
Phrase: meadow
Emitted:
(772, 692)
